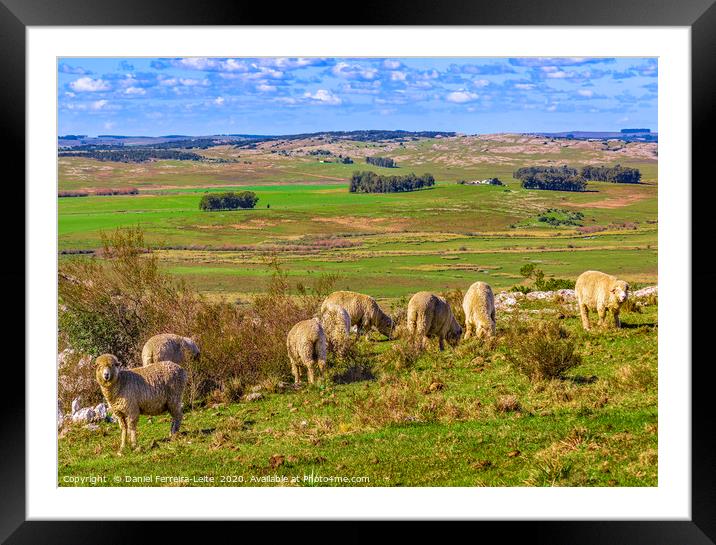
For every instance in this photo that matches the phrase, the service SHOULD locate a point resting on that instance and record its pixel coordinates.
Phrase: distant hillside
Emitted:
(113, 141)
(628, 135)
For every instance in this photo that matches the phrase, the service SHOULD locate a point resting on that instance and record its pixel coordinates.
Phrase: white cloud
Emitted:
(189, 82)
(391, 65)
(397, 76)
(585, 92)
(134, 91)
(324, 96)
(89, 85)
(480, 83)
(525, 86)
(345, 70)
(219, 101)
(461, 96)
(98, 104)
(266, 88)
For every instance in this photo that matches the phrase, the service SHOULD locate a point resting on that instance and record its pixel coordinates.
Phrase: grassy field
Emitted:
(595, 427)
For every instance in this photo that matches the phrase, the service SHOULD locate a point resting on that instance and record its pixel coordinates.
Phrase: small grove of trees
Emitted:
(531, 272)
(616, 174)
(228, 201)
(561, 178)
(381, 162)
(370, 182)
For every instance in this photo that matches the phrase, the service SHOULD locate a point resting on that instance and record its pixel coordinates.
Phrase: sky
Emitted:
(206, 96)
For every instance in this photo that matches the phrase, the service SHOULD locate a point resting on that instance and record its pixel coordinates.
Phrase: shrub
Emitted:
(228, 201)
(403, 354)
(454, 298)
(541, 350)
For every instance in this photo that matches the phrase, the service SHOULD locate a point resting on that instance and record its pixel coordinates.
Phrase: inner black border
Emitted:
(699, 15)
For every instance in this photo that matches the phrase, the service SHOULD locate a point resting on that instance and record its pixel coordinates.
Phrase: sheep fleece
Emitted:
(151, 390)
(601, 292)
(306, 344)
(479, 307)
(363, 310)
(168, 347)
(429, 315)
(336, 321)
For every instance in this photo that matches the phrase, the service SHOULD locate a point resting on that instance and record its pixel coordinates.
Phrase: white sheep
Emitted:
(169, 347)
(601, 292)
(430, 315)
(363, 310)
(306, 344)
(479, 307)
(151, 390)
(336, 324)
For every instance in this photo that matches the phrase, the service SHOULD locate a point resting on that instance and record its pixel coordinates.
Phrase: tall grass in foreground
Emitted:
(116, 304)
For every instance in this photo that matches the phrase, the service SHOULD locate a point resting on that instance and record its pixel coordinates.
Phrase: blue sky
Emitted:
(202, 96)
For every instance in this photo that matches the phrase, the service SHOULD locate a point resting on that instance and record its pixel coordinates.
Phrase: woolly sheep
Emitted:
(601, 292)
(363, 311)
(168, 347)
(306, 344)
(430, 315)
(149, 390)
(479, 307)
(336, 324)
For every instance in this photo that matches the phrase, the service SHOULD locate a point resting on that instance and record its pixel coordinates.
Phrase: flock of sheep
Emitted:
(157, 386)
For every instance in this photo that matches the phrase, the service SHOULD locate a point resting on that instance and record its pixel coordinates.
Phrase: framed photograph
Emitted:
(437, 268)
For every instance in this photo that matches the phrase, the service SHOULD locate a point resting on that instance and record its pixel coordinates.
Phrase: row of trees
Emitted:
(134, 155)
(616, 174)
(228, 201)
(381, 162)
(561, 178)
(370, 182)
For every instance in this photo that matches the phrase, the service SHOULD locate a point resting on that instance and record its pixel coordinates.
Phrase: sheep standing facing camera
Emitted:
(363, 310)
(601, 292)
(169, 347)
(306, 344)
(479, 307)
(430, 315)
(151, 390)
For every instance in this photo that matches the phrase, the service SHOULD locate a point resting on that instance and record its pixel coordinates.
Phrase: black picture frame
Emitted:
(699, 15)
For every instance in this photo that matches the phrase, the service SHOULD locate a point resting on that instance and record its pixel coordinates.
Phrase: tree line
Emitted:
(564, 178)
(616, 174)
(370, 182)
(133, 155)
(381, 162)
(228, 201)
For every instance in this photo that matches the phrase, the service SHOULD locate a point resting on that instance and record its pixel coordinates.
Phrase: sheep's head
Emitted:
(106, 369)
(454, 334)
(385, 325)
(620, 291)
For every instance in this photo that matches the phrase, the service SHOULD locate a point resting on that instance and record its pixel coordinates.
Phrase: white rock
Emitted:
(101, 411)
(646, 292)
(255, 396)
(75, 405)
(83, 415)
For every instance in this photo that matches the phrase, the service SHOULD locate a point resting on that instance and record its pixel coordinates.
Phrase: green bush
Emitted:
(228, 201)
(541, 350)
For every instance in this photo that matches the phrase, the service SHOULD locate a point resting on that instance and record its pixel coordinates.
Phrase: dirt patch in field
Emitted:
(248, 225)
(611, 202)
(386, 225)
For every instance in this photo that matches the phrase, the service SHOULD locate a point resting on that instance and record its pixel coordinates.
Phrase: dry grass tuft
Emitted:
(507, 404)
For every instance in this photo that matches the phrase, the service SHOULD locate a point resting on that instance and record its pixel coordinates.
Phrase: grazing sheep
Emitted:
(430, 315)
(306, 343)
(363, 311)
(601, 292)
(168, 347)
(479, 307)
(149, 390)
(336, 324)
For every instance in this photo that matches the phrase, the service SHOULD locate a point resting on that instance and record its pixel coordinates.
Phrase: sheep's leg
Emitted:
(602, 312)
(469, 326)
(493, 322)
(441, 342)
(123, 427)
(584, 313)
(617, 320)
(309, 366)
(295, 372)
(132, 427)
(177, 417)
